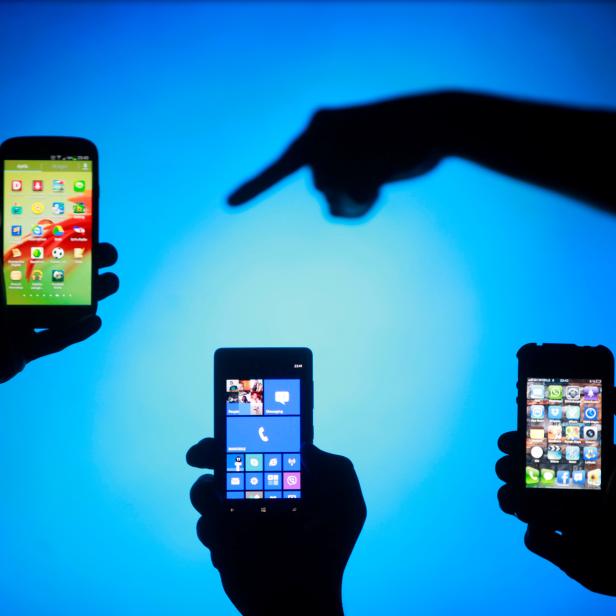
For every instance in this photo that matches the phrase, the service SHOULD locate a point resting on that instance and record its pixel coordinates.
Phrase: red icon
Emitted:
(37, 185)
(16, 185)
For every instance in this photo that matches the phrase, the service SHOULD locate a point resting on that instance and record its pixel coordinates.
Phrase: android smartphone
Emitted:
(262, 422)
(565, 415)
(49, 215)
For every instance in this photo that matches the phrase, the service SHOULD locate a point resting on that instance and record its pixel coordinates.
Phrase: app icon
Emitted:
(57, 253)
(572, 453)
(79, 208)
(554, 453)
(57, 275)
(37, 207)
(292, 481)
(235, 462)
(262, 435)
(16, 230)
(79, 230)
(16, 185)
(273, 461)
(79, 185)
(254, 481)
(555, 411)
(594, 477)
(273, 494)
(591, 413)
(535, 391)
(235, 481)
(591, 392)
(15, 253)
(36, 275)
(563, 478)
(572, 432)
(572, 412)
(536, 452)
(57, 208)
(591, 453)
(292, 461)
(295, 494)
(36, 252)
(536, 411)
(555, 432)
(548, 476)
(254, 461)
(78, 253)
(536, 434)
(572, 393)
(16, 210)
(37, 185)
(579, 477)
(272, 480)
(253, 494)
(57, 186)
(555, 392)
(58, 230)
(37, 230)
(532, 476)
(16, 275)
(591, 433)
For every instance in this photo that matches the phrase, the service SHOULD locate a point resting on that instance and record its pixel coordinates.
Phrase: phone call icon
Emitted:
(262, 435)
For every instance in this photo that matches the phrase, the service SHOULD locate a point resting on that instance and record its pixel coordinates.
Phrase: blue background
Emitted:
(414, 314)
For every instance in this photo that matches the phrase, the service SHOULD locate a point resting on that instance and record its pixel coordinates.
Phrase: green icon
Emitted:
(79, 185)
(17, 209)
(555, 392)
(548, 476)
(532, 476)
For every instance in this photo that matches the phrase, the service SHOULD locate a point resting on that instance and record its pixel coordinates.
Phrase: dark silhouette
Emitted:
(21, 344)
(568, 548)
(289, 563)
(354, 151)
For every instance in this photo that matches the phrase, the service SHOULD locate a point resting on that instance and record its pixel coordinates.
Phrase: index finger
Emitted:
(509, 441)
(292, 159)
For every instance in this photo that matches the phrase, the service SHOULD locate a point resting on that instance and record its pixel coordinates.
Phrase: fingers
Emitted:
(507, 500)
(203, 495)
(203, 454)
(509, 442)
(106, 255)
(547, 543)
(505, 469)
(291, 160)
(105, 285)
(58, 338)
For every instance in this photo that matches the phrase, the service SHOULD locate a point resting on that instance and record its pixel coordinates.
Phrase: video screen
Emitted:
(47, 238)
(563, 433)
(263, 438)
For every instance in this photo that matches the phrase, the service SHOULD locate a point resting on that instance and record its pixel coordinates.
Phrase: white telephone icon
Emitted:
(263, 436)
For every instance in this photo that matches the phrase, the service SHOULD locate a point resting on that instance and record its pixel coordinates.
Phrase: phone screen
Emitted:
(48, 229)
(563, 433)
(263, 454)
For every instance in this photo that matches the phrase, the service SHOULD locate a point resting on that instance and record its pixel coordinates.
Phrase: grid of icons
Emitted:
(47, 235)
(563, 433)
(263, 459)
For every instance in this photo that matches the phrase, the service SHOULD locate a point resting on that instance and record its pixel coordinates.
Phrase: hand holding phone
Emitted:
(280, 562)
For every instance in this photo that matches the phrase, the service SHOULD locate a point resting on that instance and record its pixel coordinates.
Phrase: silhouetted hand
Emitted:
(287, 563)
(583, 552)
(21, 344)
(354, 151)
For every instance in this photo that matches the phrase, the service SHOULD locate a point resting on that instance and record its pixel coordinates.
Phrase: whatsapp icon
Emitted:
(555, 392)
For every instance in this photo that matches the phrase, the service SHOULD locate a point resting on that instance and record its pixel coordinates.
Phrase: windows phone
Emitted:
(263, 419)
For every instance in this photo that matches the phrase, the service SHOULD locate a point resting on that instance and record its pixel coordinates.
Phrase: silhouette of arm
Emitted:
(22, 344)
(354, 151)
(568, 548)
(293, 563)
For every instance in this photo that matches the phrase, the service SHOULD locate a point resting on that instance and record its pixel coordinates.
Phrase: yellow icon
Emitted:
(37, 275)
(16, 275)
(78, 253)
(37, 207)
(536, 434)
(16, 253)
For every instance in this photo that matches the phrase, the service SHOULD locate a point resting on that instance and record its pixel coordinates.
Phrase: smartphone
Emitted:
(565, 415)
(49, 216)
(263, 403)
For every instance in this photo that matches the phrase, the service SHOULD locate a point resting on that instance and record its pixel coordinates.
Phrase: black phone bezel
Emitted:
(260, 362)
(42, 148)
(561, 505)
